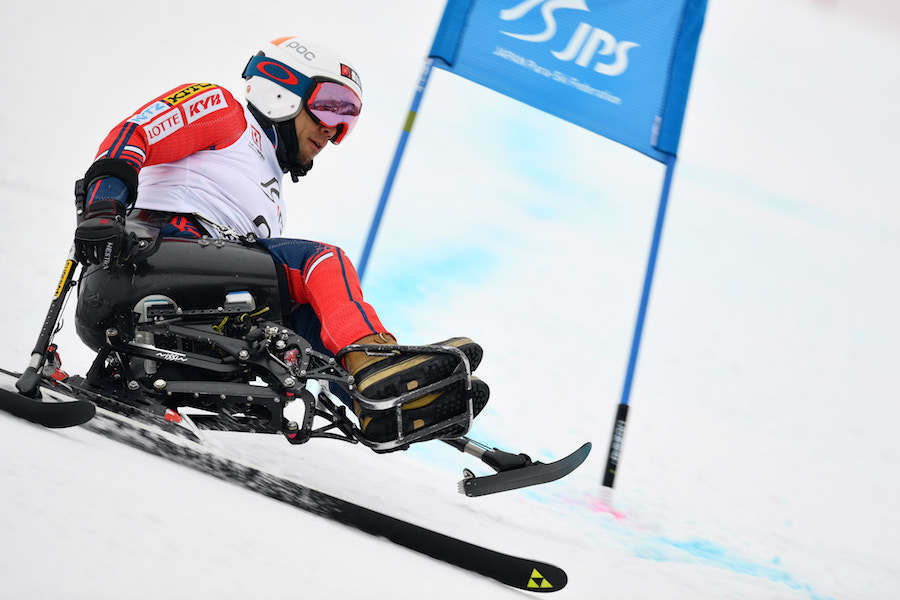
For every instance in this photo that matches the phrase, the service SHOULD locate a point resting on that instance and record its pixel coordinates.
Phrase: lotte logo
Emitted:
(586, 42)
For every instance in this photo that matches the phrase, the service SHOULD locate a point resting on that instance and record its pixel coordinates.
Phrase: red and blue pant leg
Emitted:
(323, 282)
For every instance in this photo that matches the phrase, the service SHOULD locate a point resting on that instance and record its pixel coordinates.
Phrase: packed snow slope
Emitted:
(760, 459)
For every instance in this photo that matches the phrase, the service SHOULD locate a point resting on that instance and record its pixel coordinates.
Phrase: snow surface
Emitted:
(760, 459)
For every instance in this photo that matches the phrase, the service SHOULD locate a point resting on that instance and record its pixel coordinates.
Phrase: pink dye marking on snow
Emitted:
(598, 506)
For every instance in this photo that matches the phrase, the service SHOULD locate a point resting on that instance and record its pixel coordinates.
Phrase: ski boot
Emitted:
(382, 376)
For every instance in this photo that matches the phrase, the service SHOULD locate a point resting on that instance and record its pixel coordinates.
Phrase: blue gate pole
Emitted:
(618, 433)
(395, 164)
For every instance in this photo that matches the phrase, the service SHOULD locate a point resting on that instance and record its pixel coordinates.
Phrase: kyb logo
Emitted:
(204, 104)
(586, 43)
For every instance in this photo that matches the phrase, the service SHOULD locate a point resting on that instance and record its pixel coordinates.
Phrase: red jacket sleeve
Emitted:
(184, 120)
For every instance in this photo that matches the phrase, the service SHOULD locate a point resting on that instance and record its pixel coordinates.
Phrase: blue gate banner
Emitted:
(620, 68)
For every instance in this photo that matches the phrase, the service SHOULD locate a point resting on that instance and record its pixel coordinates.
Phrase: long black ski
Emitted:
(518, 572)
(514, 571)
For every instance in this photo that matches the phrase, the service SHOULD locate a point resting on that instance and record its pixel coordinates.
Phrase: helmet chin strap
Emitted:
(286, 147)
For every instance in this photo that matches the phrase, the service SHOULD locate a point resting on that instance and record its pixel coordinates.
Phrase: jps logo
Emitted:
(586, 42)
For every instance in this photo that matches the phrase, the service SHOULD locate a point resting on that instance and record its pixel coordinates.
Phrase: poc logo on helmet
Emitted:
(301, 50)
(585, 43)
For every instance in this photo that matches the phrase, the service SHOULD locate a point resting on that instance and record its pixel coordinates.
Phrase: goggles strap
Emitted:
(276, 71)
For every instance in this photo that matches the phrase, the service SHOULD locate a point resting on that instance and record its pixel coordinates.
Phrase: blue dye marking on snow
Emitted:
(663, 549)
(401, 288)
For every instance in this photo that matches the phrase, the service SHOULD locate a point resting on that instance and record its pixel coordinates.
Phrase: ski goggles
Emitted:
(328, 102)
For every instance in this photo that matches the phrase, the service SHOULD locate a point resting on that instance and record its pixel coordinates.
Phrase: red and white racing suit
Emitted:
(198, 151)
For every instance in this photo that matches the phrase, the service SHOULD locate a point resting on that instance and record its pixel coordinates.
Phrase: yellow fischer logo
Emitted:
(186, 92)
(538, 581)
(63, 277)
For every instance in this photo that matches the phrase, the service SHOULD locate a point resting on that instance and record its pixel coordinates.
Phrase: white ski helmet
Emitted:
(273, 91)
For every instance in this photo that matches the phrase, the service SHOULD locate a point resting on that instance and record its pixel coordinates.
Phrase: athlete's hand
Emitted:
(101, 239)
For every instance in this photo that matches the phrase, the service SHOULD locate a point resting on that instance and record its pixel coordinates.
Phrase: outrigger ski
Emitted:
(26, 401)
(513, 470)
(49, 414)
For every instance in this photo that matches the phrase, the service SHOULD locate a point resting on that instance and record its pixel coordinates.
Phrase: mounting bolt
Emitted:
(142, 244)
(289, 382)
(303, 372)
(280, 344)
(249, 398)
(243, 355)
(220, 309)
(133, 385)
(159, 385)
(330, 361)
(112, 332)
(223, 396)
(308, 350)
